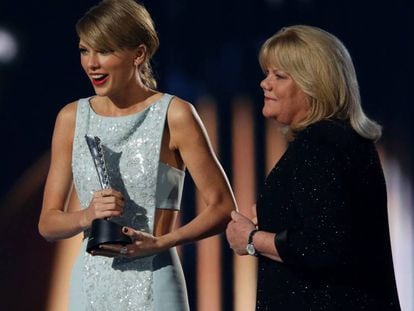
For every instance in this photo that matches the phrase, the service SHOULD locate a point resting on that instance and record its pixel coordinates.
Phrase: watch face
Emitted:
(250, 249)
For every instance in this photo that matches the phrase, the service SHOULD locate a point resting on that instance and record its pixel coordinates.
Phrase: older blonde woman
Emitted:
(322, 236)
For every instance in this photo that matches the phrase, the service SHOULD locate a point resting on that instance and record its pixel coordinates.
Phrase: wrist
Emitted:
(250, 248)
(166, 241)
(84, 221)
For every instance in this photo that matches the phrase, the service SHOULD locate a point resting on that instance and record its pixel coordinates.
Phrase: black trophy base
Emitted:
(105, 232)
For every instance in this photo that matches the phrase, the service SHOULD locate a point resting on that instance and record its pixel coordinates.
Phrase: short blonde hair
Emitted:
(321, 66)
(121, 24)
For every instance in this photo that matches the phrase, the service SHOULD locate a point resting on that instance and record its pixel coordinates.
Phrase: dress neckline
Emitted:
(127, 116)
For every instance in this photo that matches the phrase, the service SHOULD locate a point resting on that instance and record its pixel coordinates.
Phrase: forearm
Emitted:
(211, 221)
(55, 224)
(264, 243)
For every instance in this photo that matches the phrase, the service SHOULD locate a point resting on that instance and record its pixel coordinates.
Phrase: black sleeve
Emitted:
(319, 238)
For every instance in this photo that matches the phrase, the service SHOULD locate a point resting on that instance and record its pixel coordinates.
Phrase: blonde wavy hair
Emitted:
(321, 66)
(121, 24)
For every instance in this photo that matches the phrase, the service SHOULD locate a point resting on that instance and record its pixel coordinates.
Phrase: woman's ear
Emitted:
(140, 55)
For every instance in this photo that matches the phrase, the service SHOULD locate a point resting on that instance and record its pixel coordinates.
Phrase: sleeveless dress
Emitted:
(131, 146)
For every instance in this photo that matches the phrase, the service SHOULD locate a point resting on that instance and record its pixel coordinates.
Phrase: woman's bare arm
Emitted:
(188, 136)
(56, 222)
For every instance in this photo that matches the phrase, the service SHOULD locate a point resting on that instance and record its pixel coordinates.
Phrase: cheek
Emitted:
(301, 103)
(83, 63)
(124, 70)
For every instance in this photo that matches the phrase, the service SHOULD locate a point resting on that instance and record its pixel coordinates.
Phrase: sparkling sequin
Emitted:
(328, 193)
(131, 147)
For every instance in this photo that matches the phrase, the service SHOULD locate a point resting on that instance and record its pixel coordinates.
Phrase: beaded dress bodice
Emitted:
(131, 146)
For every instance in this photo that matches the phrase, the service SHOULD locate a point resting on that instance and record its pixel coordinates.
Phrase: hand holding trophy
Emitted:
(103, 231)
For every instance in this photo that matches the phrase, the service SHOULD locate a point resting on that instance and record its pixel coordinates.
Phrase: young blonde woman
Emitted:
(149, 139)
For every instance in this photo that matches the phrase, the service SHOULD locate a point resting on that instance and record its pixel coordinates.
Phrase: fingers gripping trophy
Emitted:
(103, 231)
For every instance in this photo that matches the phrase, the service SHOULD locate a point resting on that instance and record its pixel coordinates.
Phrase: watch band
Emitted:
(251, 250)
(251, 235)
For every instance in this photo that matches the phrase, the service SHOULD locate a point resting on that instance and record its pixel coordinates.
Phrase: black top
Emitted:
(326, 201)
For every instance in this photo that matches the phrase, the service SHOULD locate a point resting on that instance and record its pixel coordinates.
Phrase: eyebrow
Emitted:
(279, 70)
(81, 42)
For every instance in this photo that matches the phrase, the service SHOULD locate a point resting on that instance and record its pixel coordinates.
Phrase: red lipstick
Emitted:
(99, 82)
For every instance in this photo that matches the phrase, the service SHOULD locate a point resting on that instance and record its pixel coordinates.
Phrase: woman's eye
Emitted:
(280, 75)
(105, 52)
(82, 51)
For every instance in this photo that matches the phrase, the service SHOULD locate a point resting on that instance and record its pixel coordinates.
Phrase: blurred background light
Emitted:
(401, 218)
(8, 46)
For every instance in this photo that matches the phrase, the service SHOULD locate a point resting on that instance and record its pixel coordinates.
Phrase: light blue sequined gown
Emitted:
(131, 147)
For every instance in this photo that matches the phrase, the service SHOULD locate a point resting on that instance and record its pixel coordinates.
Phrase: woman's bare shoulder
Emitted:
(67, 113)
(180, 111)
(66, 118)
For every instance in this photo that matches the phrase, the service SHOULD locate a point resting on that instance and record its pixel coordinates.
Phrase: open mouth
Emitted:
(99, 79)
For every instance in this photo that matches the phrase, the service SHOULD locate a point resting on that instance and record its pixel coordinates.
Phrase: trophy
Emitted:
(103, 231)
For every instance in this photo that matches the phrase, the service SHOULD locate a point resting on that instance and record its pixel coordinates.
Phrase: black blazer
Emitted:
(326, 201)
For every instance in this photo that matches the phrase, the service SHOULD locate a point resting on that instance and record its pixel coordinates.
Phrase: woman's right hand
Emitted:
(105, 203)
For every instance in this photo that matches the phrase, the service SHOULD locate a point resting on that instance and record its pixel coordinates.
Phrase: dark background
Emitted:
(207, 48)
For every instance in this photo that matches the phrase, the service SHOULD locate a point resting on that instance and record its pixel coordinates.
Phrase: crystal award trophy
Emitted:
(102, 231)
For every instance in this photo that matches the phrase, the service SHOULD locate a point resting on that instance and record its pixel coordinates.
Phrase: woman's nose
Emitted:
(93, 61)
(264, 84)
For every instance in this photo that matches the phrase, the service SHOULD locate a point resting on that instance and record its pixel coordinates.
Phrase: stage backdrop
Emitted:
(208, 56)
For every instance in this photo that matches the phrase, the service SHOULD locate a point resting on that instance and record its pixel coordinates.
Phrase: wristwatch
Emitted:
(250, 247)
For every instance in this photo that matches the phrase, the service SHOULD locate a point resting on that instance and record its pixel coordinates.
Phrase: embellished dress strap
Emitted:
(170, 180)
(82, 116)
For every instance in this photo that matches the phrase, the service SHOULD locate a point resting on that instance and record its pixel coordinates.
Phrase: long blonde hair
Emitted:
(121, 24)
(321, 66)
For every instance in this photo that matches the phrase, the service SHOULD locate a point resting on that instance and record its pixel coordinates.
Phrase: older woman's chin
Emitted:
(267, 113)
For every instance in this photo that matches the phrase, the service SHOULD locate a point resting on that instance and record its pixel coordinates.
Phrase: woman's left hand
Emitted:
(144, 244)
(238, 231)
